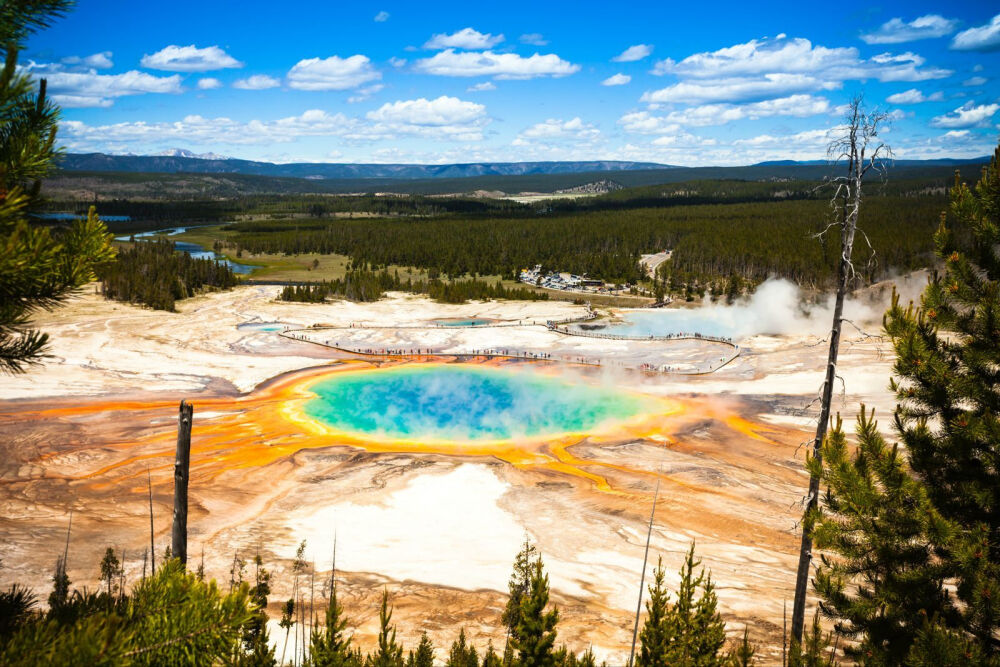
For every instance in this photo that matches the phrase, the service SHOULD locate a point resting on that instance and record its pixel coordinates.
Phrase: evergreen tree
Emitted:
(535, 634)
(886, 578)
(256, 646)
(39, 266)
(743, 654)
(697, 631)
(657, 631)
(815, 650)
(918, 538)
(388, 653)
(424, 655)
(330, 646)
(110, 569)
(60, 587)
(490, 657)
(170, 618)
(462, 653)
(518, 587)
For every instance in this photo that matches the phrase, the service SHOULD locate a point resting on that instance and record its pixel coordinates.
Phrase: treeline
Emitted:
(368, 285)
(154, 274)
(176, 617)
(710, 242)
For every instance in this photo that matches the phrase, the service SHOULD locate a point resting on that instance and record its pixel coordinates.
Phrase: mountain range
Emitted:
(180, 160)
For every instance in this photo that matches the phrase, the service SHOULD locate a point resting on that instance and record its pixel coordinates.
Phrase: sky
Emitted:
(693, 83)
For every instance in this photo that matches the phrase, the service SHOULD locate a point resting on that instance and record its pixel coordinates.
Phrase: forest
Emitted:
(367, 285)
(711, 242)
(153, 274)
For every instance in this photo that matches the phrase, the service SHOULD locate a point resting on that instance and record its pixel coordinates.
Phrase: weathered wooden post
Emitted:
(182, 464)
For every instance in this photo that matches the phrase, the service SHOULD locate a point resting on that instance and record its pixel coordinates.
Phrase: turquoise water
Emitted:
(458, 322)
(665, 322)
(465, 403)
(261, 326)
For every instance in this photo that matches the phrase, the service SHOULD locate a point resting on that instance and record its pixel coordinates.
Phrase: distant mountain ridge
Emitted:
(180, 160)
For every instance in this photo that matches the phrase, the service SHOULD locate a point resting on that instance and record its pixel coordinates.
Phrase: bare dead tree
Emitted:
(642, 579)
(861, 151)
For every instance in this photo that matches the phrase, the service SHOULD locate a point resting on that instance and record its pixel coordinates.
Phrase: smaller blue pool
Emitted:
(463, 322)
(261, 326)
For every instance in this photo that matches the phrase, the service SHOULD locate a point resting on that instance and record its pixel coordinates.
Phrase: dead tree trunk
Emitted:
(182, 465)
(152, 542)
(861, 131)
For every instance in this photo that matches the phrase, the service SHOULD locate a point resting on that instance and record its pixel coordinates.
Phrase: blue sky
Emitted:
(692, 83)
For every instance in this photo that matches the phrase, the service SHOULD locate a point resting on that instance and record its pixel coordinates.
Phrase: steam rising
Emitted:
(777, 307)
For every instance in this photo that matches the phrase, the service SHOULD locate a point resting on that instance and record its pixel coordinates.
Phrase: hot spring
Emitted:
(467, 403)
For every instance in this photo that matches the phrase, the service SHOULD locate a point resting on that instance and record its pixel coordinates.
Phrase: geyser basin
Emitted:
(466, 403)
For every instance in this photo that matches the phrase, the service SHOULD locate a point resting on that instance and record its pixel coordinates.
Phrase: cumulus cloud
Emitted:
(445, 118)
(534, 38)
(768, 86)
(761, 69)
(100, 60)
(981, 38)
(633, 53)
(333, 73)
(801, 106)
(481, 87)
(382, 17)
(189, 58)
(209, 83)
(914, 96)
(397, 62)
(441, 111)
(968, 115)
(498, 65)
(365, 93)
(466, 38)
(560, 129)
(90, 89)
(616, 80)
(975, 81)
(257, 82)
(896, 31)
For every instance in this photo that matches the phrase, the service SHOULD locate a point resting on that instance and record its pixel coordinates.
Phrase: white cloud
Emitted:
(189, 58)
(738, 89)
(914, 96)
(616, 80)
(982, 38)
(800, 106)
(534, 38)
(466, 38)
(499, 65)
(560, 129)
(257, 82)
(441, 111)
(397, 62)
(760, 69)
(968, 115)
(100, 60)
(333, 73)
(798, 56)
(481, 87)
(90, 89)
(365, 93)
(633, 53)
(209, 83)
(382, 17)
(441, 119)
(975, 81)
(896, 31)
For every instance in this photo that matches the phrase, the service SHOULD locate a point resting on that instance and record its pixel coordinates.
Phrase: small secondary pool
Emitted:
(463, 322)
(666, 322)
(261, 326)
(466, 403)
